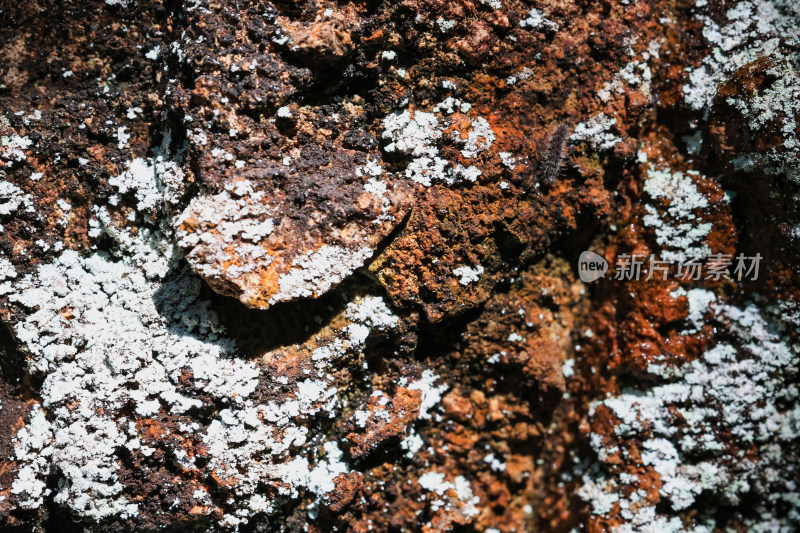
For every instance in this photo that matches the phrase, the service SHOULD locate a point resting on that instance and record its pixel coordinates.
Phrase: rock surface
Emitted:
(313, 265)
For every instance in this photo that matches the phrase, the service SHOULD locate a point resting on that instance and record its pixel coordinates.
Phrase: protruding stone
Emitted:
(276, 234)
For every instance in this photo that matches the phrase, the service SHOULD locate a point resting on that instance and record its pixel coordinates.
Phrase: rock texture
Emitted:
(298, 237)
(313, 265)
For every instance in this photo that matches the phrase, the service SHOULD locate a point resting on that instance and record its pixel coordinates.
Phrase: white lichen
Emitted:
(468, 274)
(33, 450)
(420, 136)
(431, 393)
(779, 106)
(14, 148)
(750, 29)
(536, 20)
(456, 494)
(105, 334)
(597, 132)
(739, 395)
(478, 139)
(678, 229)
(314, 273)
(12, 199)
(414, 136)
(155, 183)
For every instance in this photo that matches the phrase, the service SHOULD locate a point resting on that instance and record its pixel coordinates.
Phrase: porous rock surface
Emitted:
(312, 266)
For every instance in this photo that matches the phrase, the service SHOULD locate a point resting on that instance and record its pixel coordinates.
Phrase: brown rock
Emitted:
(276, 235)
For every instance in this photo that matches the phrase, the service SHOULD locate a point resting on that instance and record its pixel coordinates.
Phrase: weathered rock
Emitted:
(279, 234)
(413, 182)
